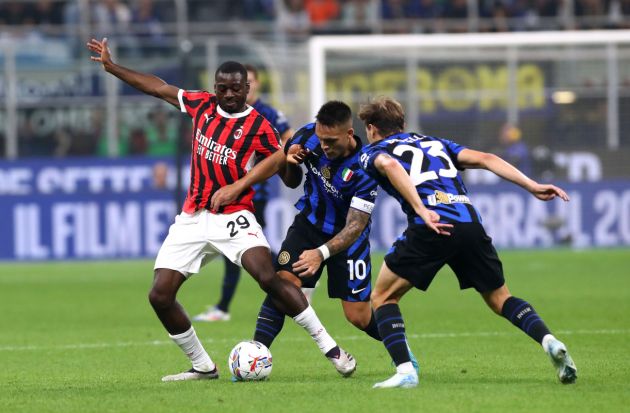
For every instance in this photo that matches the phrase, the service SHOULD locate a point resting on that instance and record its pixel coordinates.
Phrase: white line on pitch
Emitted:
(87, 346)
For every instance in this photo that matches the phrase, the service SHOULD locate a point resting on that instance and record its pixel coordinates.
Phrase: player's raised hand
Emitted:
(101, 50)
(297, 154)
(432, 220)
(224, 196)
(548, 192)
(308, 264)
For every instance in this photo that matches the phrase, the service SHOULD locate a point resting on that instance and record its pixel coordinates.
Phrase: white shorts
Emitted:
(195, 239)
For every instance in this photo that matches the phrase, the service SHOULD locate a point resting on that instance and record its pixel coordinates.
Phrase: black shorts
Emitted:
(420, 253)
(349, 272)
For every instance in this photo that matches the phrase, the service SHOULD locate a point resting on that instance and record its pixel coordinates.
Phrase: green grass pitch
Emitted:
(81, 337)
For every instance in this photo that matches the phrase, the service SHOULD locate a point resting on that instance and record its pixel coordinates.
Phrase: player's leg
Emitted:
(183, 253)
(387, 292)
(350, 279)
(477, 265)
(360, 314)
(523, 315)
(230, 282)
(162, 297)
(270, 319)
(288, 298)
(220, 312)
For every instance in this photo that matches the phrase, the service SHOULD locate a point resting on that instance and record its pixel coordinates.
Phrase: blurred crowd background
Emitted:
(55, 102)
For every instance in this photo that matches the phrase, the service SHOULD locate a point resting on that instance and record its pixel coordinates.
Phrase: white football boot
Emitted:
(560, 358)
(402, 380)
(212, 314)
(192, 374)
(345, 363)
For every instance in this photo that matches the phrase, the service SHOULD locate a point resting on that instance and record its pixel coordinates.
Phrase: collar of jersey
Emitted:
(234, 115)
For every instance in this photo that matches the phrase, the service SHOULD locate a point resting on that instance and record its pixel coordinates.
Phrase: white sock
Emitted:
(191, 346)
(405, 368)
(309, 320)
(545, 341)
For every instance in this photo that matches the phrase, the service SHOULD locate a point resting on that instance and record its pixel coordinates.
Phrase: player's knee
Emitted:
(160, 299)
(268, 281)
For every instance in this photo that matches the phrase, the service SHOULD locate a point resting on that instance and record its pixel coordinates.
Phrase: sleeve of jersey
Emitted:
(269, 141)
(295, 140)
(190, 101)
(366, 160)
(453, 149)
(365, 196)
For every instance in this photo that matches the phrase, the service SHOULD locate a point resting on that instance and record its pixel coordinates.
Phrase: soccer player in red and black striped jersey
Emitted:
(227, 136)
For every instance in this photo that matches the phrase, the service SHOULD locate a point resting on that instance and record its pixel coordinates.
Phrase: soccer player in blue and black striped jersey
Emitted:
(232, 275)
(332, 227)
(417, 170)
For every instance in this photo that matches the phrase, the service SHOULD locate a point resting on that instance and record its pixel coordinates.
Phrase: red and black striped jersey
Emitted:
(224, 147)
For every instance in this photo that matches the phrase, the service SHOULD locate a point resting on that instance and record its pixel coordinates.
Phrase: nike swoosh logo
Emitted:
(358, 291)
(264, 318)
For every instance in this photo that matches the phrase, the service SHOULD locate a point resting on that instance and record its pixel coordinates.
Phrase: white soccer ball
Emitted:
(250, 360)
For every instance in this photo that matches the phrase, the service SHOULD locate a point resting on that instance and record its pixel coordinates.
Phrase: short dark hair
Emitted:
(385, 113)
(253, 69)
(231, 67)
(334, 113)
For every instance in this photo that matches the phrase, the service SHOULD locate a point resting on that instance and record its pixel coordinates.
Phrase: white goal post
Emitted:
(319, 46)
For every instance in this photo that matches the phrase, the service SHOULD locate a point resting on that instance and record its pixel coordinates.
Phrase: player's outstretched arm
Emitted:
(396, 174)
(469, 158)
(261, 172)
(310, 260)
(149, 84)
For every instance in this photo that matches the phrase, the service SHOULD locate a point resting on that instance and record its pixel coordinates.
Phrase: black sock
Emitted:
(523, 316)
(372, 329)
(391, 328)
(269, 323)
(230, 281)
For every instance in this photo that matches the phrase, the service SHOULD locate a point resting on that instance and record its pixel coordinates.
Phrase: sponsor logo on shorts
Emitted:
(284, 257)
(358, 291)
(440, 197)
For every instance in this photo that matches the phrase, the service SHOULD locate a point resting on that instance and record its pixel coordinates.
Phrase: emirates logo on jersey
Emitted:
(238, 133)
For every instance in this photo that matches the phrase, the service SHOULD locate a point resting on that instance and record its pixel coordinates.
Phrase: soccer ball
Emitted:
(250, 360)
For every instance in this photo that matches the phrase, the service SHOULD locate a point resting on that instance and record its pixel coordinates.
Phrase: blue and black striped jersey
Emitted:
(432, 165)
(332, 186)
(280, 122)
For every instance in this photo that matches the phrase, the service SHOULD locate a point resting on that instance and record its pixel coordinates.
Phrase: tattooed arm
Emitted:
(310, 260)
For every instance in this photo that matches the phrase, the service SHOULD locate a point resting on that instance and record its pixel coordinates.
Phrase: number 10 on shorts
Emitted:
(357, 268)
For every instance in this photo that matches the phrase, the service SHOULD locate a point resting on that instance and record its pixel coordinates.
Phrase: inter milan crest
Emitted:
(325, 172)
(283, 258)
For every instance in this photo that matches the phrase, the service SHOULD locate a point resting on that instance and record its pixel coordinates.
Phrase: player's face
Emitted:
(231, 90)
(335, 141)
